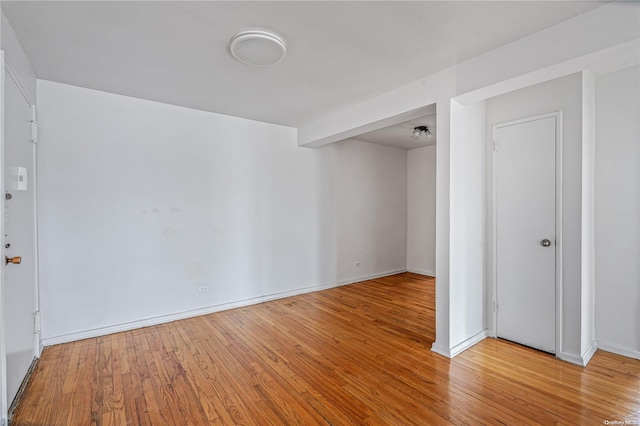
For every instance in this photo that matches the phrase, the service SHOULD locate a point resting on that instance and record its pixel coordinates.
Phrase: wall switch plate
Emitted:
(203, 288)
(19, 179)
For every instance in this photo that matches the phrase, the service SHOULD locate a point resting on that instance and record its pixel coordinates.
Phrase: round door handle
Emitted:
(16, 260)
(545, 243)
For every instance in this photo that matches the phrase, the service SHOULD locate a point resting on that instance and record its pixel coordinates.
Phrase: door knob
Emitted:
(545, 243)
(15, 260)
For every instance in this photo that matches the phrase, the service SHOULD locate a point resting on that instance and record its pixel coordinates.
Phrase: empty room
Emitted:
(320, 212)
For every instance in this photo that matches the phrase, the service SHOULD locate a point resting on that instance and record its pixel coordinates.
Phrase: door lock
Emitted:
(16, 260)
(545, 243)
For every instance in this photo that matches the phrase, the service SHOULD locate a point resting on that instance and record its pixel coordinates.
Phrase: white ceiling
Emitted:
(339, 53)
(399, 135)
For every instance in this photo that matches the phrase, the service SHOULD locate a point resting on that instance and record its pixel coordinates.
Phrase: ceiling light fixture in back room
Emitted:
(418, 131)
(259, 48)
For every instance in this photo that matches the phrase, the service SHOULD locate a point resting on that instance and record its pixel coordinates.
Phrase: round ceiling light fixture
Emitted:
(258, 48)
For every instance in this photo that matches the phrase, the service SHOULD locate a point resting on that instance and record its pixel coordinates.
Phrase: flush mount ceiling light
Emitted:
(418, 131)
(258, 48)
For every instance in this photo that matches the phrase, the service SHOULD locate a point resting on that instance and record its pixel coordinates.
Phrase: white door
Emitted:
(525, 209)
(19, 239)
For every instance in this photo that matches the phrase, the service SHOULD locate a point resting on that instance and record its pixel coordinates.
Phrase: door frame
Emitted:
(493, 253)
(7, 71)
(4, 405)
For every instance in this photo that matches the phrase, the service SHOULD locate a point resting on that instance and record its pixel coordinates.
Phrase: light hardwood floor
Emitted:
(358, 354)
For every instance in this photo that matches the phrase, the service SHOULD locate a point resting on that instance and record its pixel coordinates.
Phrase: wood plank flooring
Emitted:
(353, 355)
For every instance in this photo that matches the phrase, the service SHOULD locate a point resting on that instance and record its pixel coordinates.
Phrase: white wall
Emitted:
(563, 94)
(617, 212)
(443, 221)
(587, 322)
(421, 210)
(467, 229)
(366, 190)
(142, 202)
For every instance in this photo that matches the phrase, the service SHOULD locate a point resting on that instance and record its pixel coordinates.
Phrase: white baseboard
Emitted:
(440, 349)
(588, 354)
(467, 343)
(422, 272)
(581, 360)
(460, 347)
(161, 319)
(618, 350)
(573, 359)
(362, 278)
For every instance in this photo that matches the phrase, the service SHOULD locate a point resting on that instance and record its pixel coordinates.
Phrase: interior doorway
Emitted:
(418, 137)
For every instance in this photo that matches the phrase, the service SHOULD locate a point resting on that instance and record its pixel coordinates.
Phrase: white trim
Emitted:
(588, 354)
(467, 343)
(618, 350)
(339, 283)
(19, 83)
(422, 272)
(603, 61)
(494, 236)
(493, 330)
(4, 405)
(439, 349)
(559, 233)
(402, 117)
(581, 360)
(161, 319)
(36, 253)
(573, 359)
(460, 347)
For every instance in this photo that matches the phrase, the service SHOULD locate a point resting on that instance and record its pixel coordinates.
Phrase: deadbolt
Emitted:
(545, 243)
(16, 260)
(7, 196)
